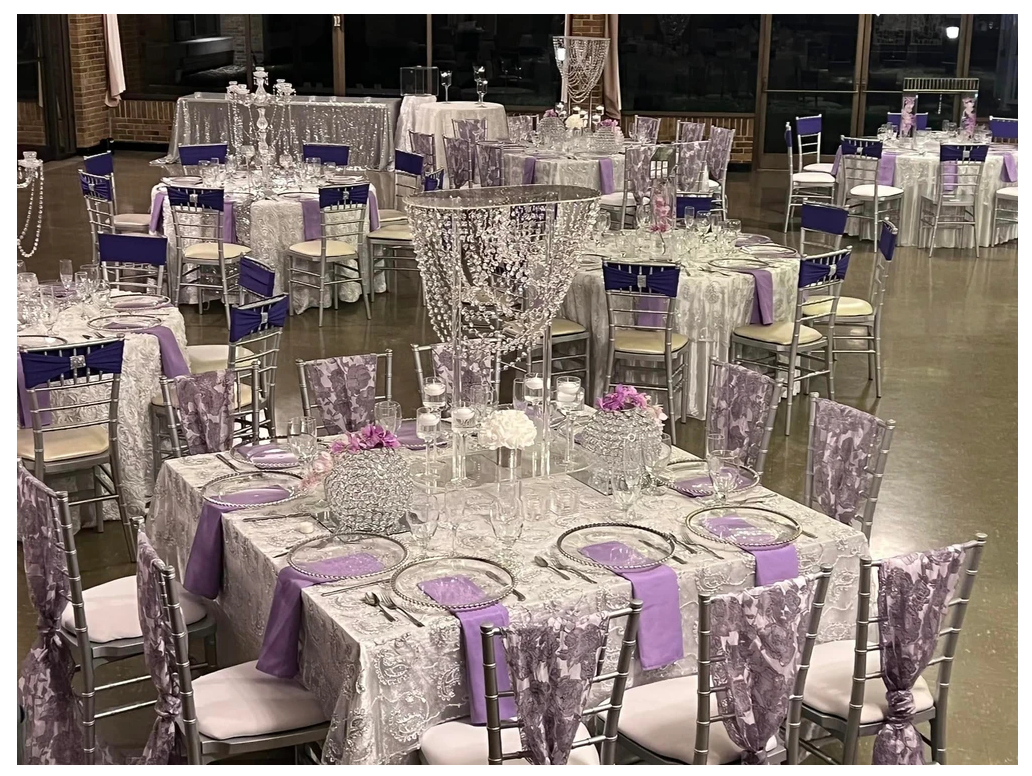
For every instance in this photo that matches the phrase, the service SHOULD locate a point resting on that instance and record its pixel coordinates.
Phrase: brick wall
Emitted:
(31, 130)
(89, 79)
(143, 121)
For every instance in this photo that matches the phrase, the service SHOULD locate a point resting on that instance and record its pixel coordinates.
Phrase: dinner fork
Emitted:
(389, 603)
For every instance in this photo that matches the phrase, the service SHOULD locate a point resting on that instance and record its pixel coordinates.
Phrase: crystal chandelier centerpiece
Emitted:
(580, 62)
(268, 116)
(30, 176)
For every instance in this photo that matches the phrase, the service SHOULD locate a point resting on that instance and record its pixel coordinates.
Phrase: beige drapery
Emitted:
(113, 51)
(611, 71)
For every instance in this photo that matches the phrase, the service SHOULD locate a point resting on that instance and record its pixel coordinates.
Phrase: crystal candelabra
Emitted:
(580, 62)
(265, 134)
(30, 176)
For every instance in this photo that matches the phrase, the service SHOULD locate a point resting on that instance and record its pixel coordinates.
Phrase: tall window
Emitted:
(377, 46)
(514, 49)
(994, 62)
(297, 48)
(28, 58)
(689, 63)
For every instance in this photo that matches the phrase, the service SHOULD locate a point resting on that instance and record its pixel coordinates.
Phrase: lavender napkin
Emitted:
(529, 168)
(229, 222)
(268, 453)
(173, 363)
(460, 589)
(157, 211)
(660, 641)
(203, 575)
(1009, 173)
(886, 166)
(605, 175)
(772, 565)
(25, 406)
(278, 655)
(763, 296)
(310, 216)
(702, 487)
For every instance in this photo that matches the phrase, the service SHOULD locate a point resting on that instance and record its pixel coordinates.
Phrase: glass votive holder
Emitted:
(562, 502)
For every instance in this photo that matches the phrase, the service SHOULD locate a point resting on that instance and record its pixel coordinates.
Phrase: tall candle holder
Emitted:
(264, 134)
(30, 176)
(446, 82)
(580, 62)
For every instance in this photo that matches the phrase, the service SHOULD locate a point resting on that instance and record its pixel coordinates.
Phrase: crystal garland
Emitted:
(30, 175)
(580, 62)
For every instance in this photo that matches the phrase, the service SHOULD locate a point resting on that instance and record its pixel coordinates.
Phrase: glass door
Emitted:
(812, 67)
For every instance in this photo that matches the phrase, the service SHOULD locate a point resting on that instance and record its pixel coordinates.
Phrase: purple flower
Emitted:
(371, 437)
(338, 446)
(623, 397)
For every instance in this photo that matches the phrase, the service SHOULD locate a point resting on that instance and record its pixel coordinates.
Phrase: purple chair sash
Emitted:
(432, 181)
(887, 242)
(96, 186)
(872, 149)
(811, 272)
(824, 218)
(99, 164)
(698, 204)
(25, 405)
(209, 199)
(256, 277)
(355, 194)
(605, 176)
(195, 154)
(632, 277)
(260, 316)
(1004, 129)
(133, 249)
(327, 153)
(408, 162)
(42, 366)
(808, 125)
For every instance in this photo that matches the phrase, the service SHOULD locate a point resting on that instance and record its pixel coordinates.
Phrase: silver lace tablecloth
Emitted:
(560, 171)
(435, 118)
(383, 683)
(141, 371)
(367, 127)
(709, 306)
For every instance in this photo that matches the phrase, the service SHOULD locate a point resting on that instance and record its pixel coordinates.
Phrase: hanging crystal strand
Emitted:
(30, 175)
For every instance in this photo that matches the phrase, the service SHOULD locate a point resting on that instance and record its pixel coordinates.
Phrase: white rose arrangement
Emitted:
(508, 428)
(575, 121)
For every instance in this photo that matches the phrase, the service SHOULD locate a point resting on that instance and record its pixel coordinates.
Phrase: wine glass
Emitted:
(733, 228)
(423, 518)
(101, 294)
(507, 525)
(28, 284)
(47, 309)
(722, 466)
(387, 415)
(434, 393)
(480, 507)
(428, 422)
(627, 478)
(66, 273)
(301, 437)
(657, 458)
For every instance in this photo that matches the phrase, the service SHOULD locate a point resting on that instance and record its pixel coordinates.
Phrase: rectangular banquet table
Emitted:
(385, 683)
(367, 126)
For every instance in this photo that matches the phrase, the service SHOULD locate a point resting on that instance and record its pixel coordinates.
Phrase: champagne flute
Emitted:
(66, 273)
(47, 309)
(723, 472)
(387, 415)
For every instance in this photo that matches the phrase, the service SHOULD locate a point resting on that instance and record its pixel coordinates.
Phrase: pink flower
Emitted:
(338, 446)
(623, 397)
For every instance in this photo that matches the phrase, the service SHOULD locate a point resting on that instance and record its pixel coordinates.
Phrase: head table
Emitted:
(384, 683)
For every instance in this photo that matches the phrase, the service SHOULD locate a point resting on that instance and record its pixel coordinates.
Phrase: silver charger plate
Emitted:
(298, 195)
(493, 579)
(308, 556)
(739, 262)
(182, 180)
(769, 249)
(252, 454)
(761, 527)
(120, 323)
(40, 341)
(128, 302)
(748, 478)
(636, 554)
(221, 490)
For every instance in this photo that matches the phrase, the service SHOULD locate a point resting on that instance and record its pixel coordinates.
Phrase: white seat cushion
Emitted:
(848, 306)
(1011, 192)
(661, 717)
(779, 333)
(245, 394)
(242, 701)
(391, 216)
(866, 191)
(132, 222)
(561, 327)
(830, 679)
(392, 232)
(314, 248)
(813, 179)
(209, 251)
(112, 612)
(819, 167)
(460, 743)
(713, 184)
(65, 444)
(211, 358)
(616, 199)
(648, 342)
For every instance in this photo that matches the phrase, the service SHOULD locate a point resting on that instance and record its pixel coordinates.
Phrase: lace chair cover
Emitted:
(489, 164)
(718, 153)
(53, 726)
(690, 166)
(159, 655)
(690, 132)
(551, 665)
(637, 168)
(471, 130)
(762, 633)
(739, 400)
(520, 128)
(343, 388)
(646, 129)
(423, 144)
(913, 592)
(845, 439)
(474, 372)
(457, 162)
(206, 410)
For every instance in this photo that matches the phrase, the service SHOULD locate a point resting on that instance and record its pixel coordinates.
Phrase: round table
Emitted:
(435, 118)
(549, 167)
(407, 118)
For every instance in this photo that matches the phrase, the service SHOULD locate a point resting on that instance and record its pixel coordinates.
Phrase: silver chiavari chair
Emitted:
(133, 262)
(435, 360)
(652, 712)
(642, 165)
(689, 131)
(732, 391)
(520, 127)
(808, 143)
(955, 203)
(846, 693)
(1003, 130)
(98, 194)
(864, 483)
(805, 187)
(205, 261)
(861, 319)
(73, 393)
(821, 227)
(439, 745)
(384, 376)
(426, 146)
(1005, 207)
(279, 713)
(337, 252)
(104, 165)
(861, 193)
(718, 152)
(795, 348)
(645, 129)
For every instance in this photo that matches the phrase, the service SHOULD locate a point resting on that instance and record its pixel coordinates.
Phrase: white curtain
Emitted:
(115, 73)
(611, 71)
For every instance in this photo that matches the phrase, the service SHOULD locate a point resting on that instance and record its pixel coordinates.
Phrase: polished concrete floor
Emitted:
(951, 378)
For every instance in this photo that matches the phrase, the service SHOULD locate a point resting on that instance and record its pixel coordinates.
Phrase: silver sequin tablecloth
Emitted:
(367, 127)
(383, 684)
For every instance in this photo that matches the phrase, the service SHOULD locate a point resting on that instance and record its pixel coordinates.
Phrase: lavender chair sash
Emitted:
(824, 218)
(343, 389)
(690, 131)
(913, 592)
(762, 634)
(635, 278)
(471, 130)
(99, 164)
(551, 665)
(845, 439)
(53, 726)
(209, 199)
(520, 128)
(327, 153)
(457, 161)
(718, 151)
(473, 372)
(407, 162)
(96, 186)
(646, 129)
(637, 167)
(195, 154)
(244, 321)
(132, 249)
(808, 125)
(690, 165)
(739, 401)
(489, 163)
(423, 144)
(158, 654)
(206, 410)
(256, 277)
(41, 366)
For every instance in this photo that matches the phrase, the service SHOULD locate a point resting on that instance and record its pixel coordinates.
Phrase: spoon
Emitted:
(373, 600)
(543, 563)
(389, 603)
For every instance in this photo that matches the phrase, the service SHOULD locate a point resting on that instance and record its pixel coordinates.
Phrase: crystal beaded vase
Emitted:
(604, 436)
(369, 491)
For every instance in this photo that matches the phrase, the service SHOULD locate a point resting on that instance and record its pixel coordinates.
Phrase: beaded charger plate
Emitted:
(40, 341)
(342, 556)
(745, 527)
(127, 302)
(266, 455)
(739, 262)
(616, 546)
(123, 322)
(454, 583)
(241, 490)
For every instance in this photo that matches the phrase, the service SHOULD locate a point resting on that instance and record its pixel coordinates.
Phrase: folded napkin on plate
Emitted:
(268, 453)
(772, 564)
(278, 655)
(460, 589)
(660, 641)
(605, 175)
(702, 486)
(203, 575)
